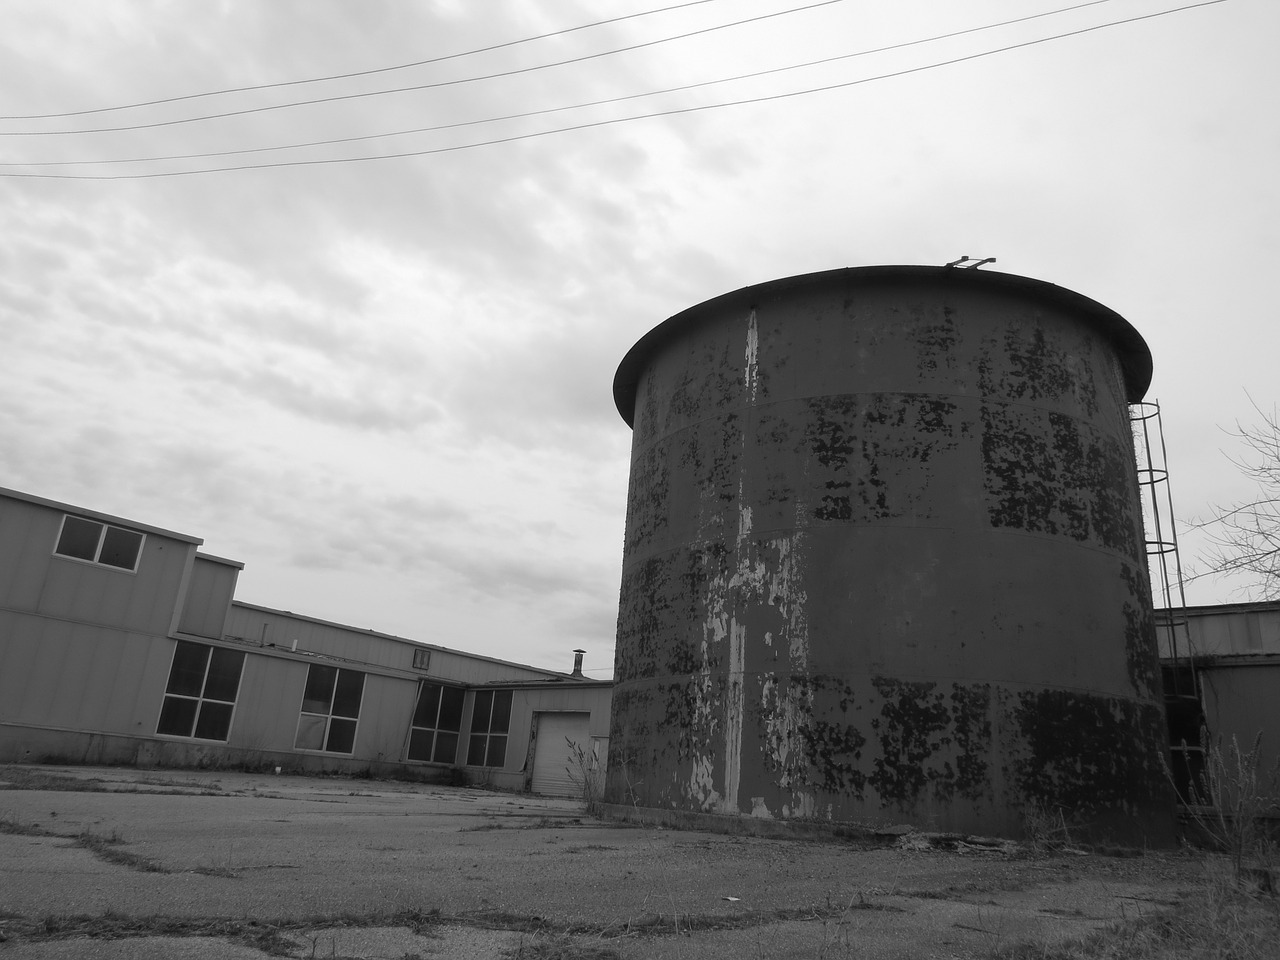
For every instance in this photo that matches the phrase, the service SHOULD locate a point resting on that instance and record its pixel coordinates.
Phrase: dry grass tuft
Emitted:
(1220, 921)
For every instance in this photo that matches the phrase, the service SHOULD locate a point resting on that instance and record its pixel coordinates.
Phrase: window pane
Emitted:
(120, 548)
(310, 732)
(342, 736)
(318, 696)
(420, 744)
(186, 676)
(224, 675)
(1184, 717)
(481, 710)
(501, 711)
(428, 705)
(446, 748)
(451, 708)
(346, 699)
(475, 752)
(79, 538)
(176, 717)
(214, 722)
(497, 752)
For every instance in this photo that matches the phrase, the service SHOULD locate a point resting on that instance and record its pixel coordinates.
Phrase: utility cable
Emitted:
(360, 73)
(603, 123)
(421, 86)
(549, 110)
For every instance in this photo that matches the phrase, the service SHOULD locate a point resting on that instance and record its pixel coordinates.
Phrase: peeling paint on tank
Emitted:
(733, 717)
(871, 455)
(936, 341)
(1088, 753)
(1024, 366)
(911, 729)
(786, 709)
(1048, 473)
(760, 597)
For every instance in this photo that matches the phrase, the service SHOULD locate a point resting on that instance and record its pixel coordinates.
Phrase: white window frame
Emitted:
(489, 734)
(201, 700)
(97, 551)
(329, 717)
(436, 729)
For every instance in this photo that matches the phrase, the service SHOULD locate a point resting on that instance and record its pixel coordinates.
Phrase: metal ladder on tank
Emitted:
(1183, 706)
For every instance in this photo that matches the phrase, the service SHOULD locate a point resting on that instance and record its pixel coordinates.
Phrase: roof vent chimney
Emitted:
(577, 662)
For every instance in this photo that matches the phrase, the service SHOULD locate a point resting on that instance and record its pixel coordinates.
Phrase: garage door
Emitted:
(552, 759)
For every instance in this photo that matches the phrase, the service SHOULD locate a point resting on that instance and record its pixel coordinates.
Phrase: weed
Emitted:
(105, 848)
(1045, 828)
(560, 947)
(1235, 800)
(586, 773)
(1218, 921)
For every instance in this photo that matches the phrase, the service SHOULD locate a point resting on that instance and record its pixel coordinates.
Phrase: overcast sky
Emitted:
(384, 385)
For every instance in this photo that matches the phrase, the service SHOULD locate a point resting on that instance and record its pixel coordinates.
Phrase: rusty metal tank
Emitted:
(884, 560)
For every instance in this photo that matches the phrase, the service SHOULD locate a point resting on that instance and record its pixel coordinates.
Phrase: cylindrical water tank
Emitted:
(884, 560)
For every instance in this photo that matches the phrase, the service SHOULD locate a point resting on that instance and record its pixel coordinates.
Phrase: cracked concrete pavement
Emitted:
(113, 863)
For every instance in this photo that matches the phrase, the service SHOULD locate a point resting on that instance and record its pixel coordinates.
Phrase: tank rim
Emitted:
(1134, 354)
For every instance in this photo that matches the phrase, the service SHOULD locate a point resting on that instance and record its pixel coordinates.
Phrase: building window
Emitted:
(201, 695)
(490, 717)
(96, 542)
(330, 709)
(433, 735)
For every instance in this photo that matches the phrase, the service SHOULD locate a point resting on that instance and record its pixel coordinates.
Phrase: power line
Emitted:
(616, 120)
(421, 86)
(360, 73)
(535, 113)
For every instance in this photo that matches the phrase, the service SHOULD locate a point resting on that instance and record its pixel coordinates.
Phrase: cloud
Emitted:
(386, 386)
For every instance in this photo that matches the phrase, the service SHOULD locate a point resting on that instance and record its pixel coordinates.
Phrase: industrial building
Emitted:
(884, 560)
(1221, 669)
(121, 642)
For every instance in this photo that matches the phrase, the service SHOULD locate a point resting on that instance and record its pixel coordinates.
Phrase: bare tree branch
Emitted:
(1245, 535)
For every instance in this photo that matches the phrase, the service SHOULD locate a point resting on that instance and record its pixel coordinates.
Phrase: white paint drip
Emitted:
(733, 716)
(735, 696)
(762, 572)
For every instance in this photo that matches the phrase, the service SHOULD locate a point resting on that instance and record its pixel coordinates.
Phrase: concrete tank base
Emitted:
(884, 561)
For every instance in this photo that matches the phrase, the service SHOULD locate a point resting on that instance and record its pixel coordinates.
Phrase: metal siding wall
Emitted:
(1242, 701)
(339, 641)
(333, 641)
(20, 662)
(79, 676)
(143, 602)
(460, 668)
(47, 645)
(385, 713)
(1234, 632)
(570, 698)
(566, 698)
(209, 593)
(270, 699)
(27, 535)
